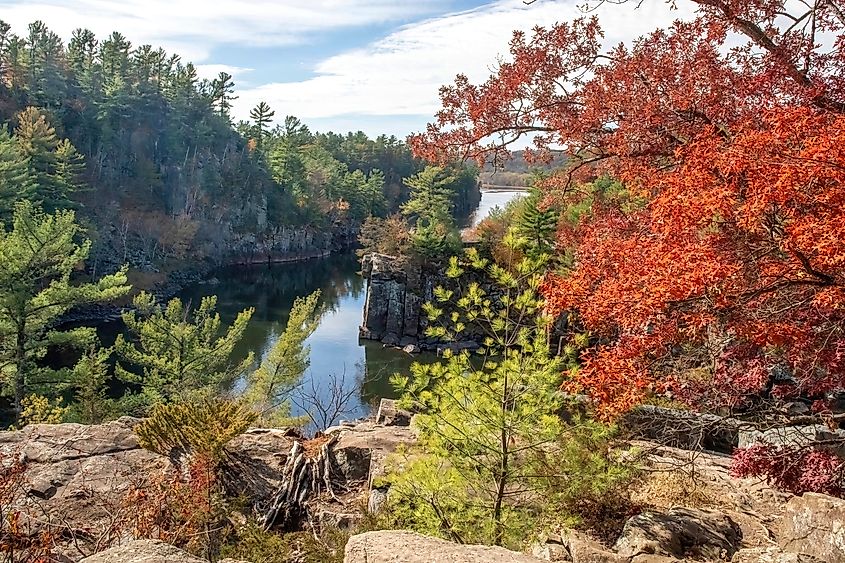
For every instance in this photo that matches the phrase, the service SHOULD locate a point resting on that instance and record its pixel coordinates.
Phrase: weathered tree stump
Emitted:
(306, 474)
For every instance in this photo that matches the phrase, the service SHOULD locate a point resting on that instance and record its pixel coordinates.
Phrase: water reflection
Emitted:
(335, 349)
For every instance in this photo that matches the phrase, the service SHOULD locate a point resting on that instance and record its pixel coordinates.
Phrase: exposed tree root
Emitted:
(307, 473)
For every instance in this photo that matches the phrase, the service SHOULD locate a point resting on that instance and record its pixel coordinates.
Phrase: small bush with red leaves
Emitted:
(183, 510)
(792, 469)
(21, 541)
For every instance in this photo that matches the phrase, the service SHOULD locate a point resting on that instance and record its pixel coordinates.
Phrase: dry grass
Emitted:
(665, 489)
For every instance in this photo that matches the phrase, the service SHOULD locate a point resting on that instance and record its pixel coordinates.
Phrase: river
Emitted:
(492, 198)
(336, 352)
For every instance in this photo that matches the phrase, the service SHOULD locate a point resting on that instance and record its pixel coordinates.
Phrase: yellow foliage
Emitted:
(40, 410)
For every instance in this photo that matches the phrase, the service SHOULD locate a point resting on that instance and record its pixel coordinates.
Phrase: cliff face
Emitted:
(395, 294)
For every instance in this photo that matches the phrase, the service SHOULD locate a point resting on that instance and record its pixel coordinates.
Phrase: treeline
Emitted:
(146, 152)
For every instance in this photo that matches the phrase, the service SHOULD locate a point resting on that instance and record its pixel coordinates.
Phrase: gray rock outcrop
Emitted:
(395, 294)
(680, 532)
(795, 436)
(771, 555)
(76, 478)
(143, 551)
(409, 547)
(814, 524)
(576, 547)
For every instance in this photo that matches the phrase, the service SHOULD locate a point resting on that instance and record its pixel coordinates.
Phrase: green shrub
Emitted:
(253, 543)
(201, 427)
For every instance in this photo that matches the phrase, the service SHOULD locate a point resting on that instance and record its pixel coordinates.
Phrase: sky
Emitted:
(338, 65)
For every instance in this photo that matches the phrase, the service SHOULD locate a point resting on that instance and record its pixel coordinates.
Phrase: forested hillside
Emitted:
(145, 150)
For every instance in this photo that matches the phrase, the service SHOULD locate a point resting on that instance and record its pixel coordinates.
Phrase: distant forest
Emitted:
(517, 171)
(147, 154)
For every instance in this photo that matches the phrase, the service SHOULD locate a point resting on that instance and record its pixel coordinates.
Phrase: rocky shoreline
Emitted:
(75, 479)
(393, 314)
(195, 272)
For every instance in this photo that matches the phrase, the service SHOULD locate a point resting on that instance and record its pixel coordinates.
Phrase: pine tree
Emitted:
(39, 255)
(15, 181)
(69, 168)
(270, 385)
(537, 225)
(222, 89)
(481, 420)
(200, 428)
(261, 114)
(431, 196)
(89, 382)
(181, 352)
(54, 165)
(38, 142)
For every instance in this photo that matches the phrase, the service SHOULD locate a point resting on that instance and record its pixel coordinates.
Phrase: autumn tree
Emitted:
(39, 256)
(174, 352)
(723, 283)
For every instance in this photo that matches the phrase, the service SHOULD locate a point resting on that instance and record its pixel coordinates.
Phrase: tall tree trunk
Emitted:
(20, 370)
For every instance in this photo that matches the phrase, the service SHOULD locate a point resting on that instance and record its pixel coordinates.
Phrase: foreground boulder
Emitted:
(143, 551)
(771, 555)
(409, 547)
(814, 525)
(74, 481)
(576, 547)
(681, 533)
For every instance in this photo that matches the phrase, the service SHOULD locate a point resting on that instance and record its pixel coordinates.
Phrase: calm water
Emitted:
(493, 198)
(335, 348)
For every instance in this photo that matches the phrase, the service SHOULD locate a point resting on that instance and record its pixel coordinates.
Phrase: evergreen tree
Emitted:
(537, 225)
(287, 168)
(15, 181)
(39, 255)
(278, 374)
(38, 142)
(89, 381)
(296, 132)
(262, 115)
(114, 56)
(69, 169)
(222, 89)
(54, 165)
(180, 352)
(481, 421)
(431, 195)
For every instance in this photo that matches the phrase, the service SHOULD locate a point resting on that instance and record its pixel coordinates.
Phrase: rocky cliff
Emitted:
(396, 292)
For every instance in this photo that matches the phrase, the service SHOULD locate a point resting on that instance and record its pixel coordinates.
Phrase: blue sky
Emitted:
(371, 65)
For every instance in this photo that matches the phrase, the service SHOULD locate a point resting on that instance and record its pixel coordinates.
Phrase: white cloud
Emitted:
(401, 73)
(193, 27)
(211, 71)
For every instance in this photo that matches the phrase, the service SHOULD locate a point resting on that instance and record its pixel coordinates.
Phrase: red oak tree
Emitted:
(721, 275)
